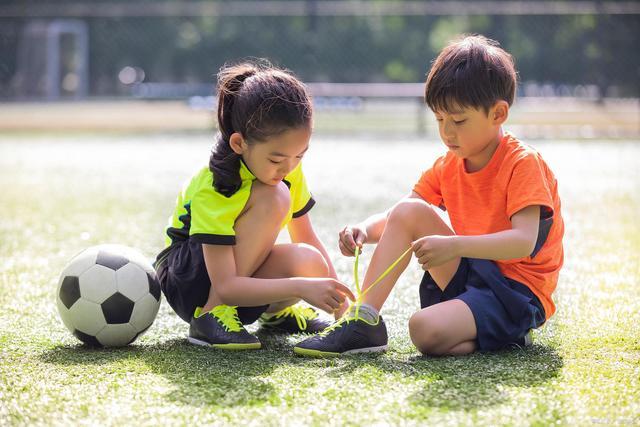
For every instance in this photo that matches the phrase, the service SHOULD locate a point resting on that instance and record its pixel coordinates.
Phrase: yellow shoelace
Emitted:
(300, 313)
(360, 294)
(228, 316)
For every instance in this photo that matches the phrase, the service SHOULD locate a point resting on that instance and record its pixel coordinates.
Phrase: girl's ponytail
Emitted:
(224, 163)
(257, 101)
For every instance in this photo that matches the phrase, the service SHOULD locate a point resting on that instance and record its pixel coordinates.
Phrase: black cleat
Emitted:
(524, 342)
(348, 335)
(221, 328)
(294, 319)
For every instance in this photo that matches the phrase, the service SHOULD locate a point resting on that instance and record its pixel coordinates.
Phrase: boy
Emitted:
(489, 277)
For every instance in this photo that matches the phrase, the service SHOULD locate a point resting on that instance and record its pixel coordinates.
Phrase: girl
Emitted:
(221, 267)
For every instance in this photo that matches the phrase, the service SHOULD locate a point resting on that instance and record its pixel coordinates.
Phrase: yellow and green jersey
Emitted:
(206, 216)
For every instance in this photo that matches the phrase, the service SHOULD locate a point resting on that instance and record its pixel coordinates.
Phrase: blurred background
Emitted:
(150, 65)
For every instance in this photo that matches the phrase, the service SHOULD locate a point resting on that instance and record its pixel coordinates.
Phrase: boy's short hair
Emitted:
(473, 71)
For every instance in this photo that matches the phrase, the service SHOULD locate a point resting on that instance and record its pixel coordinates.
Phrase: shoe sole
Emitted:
(231, 346)
(275, 329)
(318, 353)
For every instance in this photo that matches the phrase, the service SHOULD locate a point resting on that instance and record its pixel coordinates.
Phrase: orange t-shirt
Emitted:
(484, 201)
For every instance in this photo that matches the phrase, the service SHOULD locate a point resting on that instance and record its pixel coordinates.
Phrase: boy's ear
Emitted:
(236, 142)
(499, 113)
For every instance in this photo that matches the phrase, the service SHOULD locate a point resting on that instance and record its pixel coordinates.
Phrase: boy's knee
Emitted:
(272, 199)
(426, 333)
(309, 262)
(411, 211)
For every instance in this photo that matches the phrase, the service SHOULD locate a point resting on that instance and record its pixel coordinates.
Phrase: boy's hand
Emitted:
(326, 294)
(350, 237)
(433, 251)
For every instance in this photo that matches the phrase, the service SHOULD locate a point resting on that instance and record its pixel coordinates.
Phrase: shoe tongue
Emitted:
(227, 316)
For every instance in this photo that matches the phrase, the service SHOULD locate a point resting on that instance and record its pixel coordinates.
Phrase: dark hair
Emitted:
(258, 101)
(473, 71)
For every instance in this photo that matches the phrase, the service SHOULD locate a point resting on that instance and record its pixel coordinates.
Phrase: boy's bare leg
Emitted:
(409, 220)
(447, 328)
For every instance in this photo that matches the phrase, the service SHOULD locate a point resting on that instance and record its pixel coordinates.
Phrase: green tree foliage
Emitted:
(560, 49)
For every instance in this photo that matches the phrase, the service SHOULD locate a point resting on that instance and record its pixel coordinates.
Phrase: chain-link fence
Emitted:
(579, 49)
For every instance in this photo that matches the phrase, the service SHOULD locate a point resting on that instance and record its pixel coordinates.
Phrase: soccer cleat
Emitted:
(351, 334)
(221, 328)
(294, 319)
(522, 343)
(526, 341)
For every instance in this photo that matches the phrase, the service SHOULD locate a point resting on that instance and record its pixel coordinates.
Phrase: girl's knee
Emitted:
(300, 260)
(270, 199)
(308, 261)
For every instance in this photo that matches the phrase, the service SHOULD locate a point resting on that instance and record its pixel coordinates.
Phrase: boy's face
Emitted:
(271, 160)
(470, 133)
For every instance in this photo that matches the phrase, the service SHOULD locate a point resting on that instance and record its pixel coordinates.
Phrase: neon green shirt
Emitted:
(206, 216)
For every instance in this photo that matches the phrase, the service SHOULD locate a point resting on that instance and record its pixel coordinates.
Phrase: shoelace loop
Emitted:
(384, 274)
(300, 313)
(228, 316)
(346, 318)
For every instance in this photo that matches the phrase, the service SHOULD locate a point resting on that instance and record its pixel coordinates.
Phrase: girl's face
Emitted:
(271, 160)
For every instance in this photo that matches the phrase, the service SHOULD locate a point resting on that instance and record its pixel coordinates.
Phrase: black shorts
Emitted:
(504, 309)
(184, 280)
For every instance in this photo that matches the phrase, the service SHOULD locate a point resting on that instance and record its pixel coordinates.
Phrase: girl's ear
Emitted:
(500, 112)
(236, 142)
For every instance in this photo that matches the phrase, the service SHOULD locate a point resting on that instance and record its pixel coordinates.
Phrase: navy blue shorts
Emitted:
(504, 309)
(184, 280)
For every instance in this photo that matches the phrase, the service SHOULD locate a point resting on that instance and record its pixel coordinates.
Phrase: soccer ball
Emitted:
(108, 295)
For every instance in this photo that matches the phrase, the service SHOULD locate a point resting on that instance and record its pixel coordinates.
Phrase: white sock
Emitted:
(366, 312)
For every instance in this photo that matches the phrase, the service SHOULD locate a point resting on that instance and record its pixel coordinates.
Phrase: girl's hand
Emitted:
(350, 237)
(433, 251)
(340, 311)
(326, 294)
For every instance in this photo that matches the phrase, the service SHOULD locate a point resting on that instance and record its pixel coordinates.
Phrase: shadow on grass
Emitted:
(202, 376)
(481, 379)
(205, 377)
(465, 382)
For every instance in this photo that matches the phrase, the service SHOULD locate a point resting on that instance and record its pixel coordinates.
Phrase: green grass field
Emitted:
(60, 194)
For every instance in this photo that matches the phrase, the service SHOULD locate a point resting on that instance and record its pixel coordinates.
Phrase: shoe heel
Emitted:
(198, 342)
(378, 349)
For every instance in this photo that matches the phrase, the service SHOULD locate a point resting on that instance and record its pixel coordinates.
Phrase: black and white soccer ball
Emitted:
(108, 295)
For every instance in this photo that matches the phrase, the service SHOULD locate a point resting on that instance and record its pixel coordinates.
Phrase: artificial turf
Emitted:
(61, 194)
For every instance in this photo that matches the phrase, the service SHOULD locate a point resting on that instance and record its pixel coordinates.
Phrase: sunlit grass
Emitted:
(62, 194)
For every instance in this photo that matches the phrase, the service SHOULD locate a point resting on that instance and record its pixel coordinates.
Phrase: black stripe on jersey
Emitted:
(214, 239)
(306, 208)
